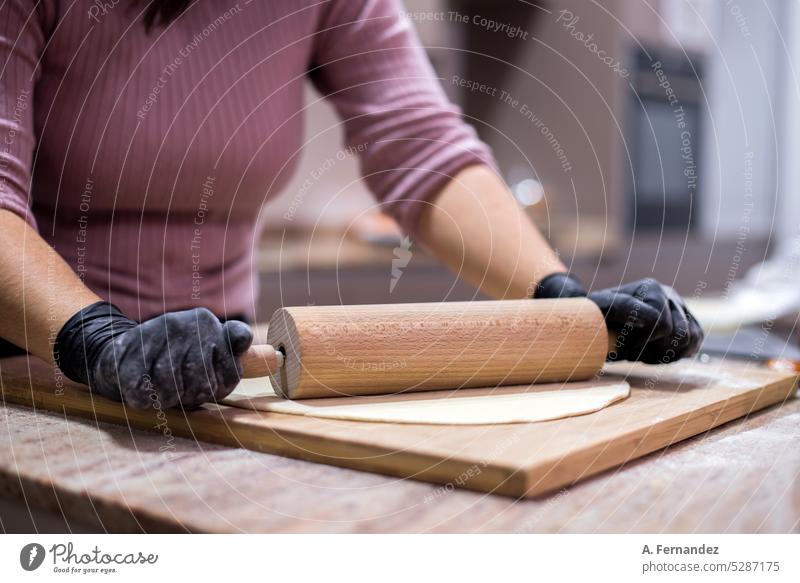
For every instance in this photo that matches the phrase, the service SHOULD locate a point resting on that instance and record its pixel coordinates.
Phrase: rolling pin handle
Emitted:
(613, 340)
(261, 360)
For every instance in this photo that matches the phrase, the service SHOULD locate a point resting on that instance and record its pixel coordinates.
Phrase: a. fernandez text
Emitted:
(666, 550)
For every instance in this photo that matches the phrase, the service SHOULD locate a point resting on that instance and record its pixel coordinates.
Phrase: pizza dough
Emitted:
(516, 404)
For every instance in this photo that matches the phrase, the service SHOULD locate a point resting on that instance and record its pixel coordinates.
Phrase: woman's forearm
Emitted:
(39, 293)
(477, 228)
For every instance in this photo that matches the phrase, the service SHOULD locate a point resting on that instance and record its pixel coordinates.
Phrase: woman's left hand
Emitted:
(652, 322)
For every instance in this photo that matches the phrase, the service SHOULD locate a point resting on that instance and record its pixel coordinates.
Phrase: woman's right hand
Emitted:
(179, 358)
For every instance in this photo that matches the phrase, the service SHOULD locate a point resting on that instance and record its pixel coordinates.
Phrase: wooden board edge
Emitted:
(448, 473)
(657, 436)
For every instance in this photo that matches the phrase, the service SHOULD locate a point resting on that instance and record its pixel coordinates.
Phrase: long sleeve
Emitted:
(411, 140)
(21, 44)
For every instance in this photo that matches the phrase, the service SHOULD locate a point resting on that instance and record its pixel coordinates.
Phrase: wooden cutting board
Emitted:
(667, 404)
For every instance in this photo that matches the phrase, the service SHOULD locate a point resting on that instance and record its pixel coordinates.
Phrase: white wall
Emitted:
(788, 222)
(740, 142)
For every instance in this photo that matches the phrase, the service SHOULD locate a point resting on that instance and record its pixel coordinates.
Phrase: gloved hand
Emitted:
(652, 322)
(180, 358)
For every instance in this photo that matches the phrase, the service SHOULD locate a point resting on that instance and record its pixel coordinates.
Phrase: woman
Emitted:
(142, 138)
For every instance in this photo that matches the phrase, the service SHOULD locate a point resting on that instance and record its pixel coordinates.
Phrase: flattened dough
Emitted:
(517, 404)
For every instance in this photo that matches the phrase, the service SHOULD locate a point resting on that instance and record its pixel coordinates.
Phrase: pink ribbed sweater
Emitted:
(145, 159)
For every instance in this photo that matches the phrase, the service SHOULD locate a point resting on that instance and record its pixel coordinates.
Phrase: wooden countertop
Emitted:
(741, 477)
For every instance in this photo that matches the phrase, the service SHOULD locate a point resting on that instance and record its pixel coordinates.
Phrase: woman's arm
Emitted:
(429, 170)
(426, 166)
(477, 228)
(179, 358)
(39, 293)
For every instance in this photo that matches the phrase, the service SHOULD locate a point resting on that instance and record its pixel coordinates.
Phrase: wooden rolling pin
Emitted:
(335, 351)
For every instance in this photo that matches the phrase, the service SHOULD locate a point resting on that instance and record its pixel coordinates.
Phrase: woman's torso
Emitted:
(156, 151)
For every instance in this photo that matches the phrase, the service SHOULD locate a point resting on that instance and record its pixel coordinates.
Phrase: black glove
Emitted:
(179, 358)
(652, 322)
(560, 285)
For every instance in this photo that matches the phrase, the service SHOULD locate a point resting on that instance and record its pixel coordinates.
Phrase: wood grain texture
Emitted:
(668, 404)
(743, 477)
(384, 349)
(260, 360)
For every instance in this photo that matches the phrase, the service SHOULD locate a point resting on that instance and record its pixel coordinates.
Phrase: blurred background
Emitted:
(645, 137)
